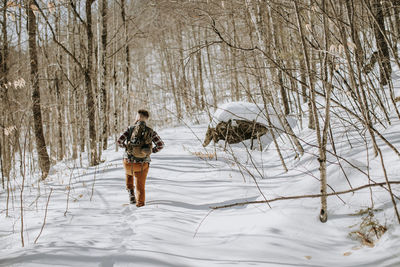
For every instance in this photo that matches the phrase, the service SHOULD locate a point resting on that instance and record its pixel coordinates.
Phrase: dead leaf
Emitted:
(368, 243)
(10, 4)
(308, 257)
(11, 16)
(347, 253)
(351, 45)
(51, 7)
(9, 130)
(35, 9)
(333, 49)
(314, 8)
(341, 49)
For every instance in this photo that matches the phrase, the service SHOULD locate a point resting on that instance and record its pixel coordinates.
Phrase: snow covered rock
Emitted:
(247, 120)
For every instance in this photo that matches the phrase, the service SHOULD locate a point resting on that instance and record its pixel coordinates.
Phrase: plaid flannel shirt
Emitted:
(159, 144)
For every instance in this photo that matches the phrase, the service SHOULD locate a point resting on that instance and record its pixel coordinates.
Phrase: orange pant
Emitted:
(140, 171)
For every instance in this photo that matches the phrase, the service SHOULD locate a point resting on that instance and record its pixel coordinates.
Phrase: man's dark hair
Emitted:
(144, 113)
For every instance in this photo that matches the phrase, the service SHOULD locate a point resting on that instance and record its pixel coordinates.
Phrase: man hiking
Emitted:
(138, 147)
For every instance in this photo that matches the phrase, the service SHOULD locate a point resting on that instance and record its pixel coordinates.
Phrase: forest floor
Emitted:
(177, 226)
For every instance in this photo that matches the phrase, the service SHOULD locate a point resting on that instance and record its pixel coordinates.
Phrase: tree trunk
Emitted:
(44, 161)
(354, 33)
(4, 50)
(234, 72)
(104, 99)
(211, 71)
(4, 142)
(201, 82)
(127, 63)
(382, 46)
(323, 213)
(278, 47)
(90, 104)
(60, 152)
(327, 85)
(396, 11)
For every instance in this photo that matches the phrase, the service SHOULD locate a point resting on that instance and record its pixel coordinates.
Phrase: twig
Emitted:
(198, 227)
(45, 216)
(94, 181)
(69, 189)
(388, 185)
(249, 172)
(305, 196)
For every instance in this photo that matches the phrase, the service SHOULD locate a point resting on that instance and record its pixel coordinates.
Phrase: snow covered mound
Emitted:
(248, 111)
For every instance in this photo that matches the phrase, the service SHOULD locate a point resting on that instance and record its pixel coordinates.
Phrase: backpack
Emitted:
(140, 142)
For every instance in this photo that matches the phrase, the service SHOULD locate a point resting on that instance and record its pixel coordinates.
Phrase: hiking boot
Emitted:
(132, 198)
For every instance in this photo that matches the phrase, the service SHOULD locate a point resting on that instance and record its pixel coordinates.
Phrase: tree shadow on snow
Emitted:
(201, 206)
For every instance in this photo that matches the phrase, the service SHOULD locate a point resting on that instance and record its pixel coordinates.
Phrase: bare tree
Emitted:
(382, 46)
(104, 73)
(44, 160)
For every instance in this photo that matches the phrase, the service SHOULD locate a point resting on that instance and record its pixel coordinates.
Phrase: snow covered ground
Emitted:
(177, 226)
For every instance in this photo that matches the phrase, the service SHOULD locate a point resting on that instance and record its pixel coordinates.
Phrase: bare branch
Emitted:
(304, 196)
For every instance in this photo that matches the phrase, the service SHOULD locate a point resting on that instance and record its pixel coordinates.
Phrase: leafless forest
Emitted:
(74, 71)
